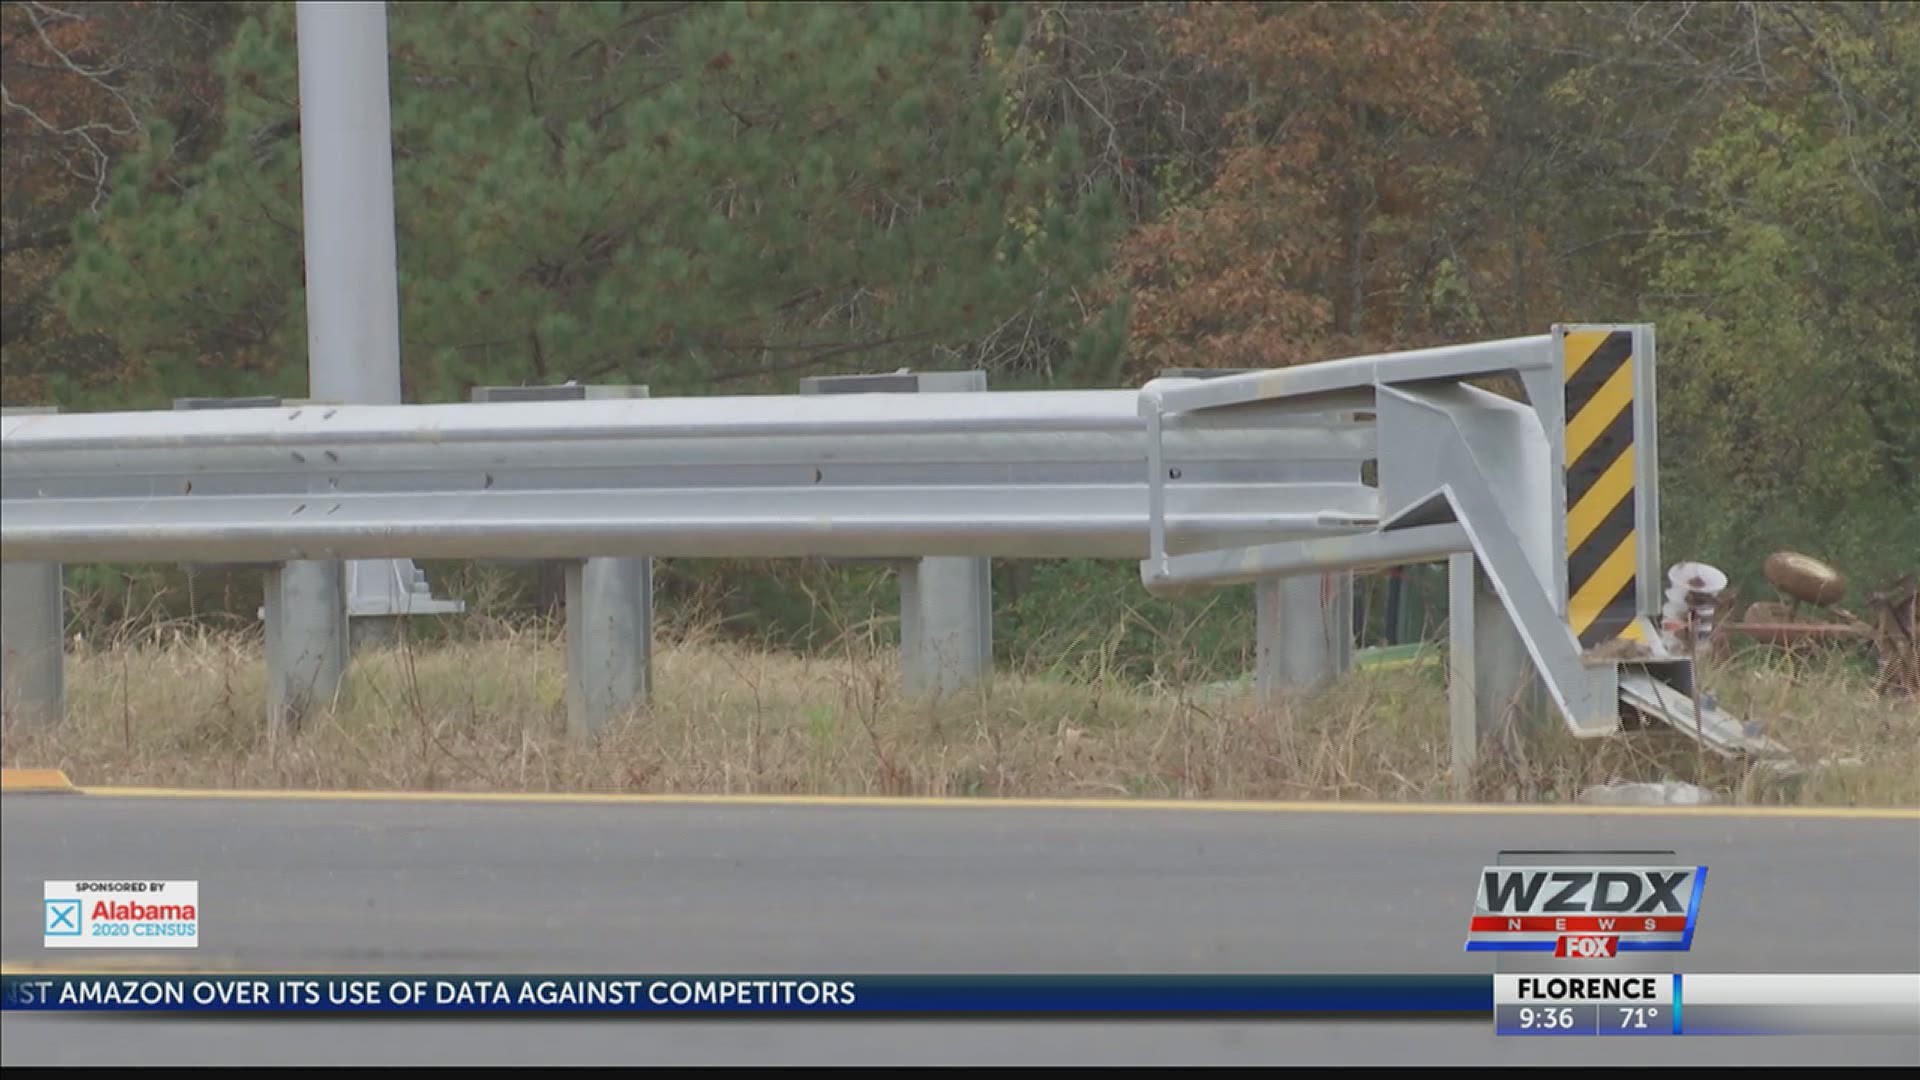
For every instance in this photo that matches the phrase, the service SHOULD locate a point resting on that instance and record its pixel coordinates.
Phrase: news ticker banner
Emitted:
(1542, 1004)
(1672, 1004)
(1464, 996)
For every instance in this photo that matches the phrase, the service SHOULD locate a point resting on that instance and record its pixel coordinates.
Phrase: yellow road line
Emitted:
(21, 781)
(986, 803)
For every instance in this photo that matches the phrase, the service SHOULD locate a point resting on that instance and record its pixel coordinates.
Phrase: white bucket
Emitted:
(1692, 594)
(1695, 577)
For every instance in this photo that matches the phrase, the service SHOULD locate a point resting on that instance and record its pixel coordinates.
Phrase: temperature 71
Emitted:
(1637, 1016)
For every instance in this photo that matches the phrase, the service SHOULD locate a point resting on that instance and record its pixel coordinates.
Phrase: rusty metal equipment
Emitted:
(1805, 578)
(1897, 635)
(1893, 632)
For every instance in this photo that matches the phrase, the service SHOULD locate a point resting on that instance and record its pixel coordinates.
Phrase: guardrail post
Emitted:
(946, 602)
(306, 617)
(946, 624)
(1303, 632)
(1462, 711)
(1490, 680)
(609, 601)
(609, 640)
(32, 631)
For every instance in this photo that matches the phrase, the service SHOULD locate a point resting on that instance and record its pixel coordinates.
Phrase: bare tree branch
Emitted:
(96, 76)
(81, 132)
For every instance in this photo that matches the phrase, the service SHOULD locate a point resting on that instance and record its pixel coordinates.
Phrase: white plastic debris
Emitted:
(1686, 620)
(1672, 793)
(1697, 577)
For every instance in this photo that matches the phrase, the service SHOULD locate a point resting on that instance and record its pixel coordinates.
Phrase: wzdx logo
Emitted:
(1586, 912)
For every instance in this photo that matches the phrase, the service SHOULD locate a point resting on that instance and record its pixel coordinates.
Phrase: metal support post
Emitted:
(306, 617)
(609, 621)
(353, 296)
(609, 602)
(1303, 632)
(1462, 705)
(946, 602)
(1491, 682)
(32, 633)
(946, 624)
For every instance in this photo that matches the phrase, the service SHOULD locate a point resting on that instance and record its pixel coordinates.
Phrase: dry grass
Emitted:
(1827, 712)
(185, 709)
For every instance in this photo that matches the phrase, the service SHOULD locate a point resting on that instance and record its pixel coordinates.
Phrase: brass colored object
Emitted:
(1805, 578)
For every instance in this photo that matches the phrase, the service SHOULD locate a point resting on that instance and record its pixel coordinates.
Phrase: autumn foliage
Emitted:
(1348, 123)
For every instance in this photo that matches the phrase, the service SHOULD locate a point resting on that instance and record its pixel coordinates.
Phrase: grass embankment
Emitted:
(185, 709)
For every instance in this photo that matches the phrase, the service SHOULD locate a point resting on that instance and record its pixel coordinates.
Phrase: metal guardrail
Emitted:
(1245, 477)
(593, 482)
(1008, 474)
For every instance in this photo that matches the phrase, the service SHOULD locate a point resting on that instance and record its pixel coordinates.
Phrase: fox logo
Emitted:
(1587, 946)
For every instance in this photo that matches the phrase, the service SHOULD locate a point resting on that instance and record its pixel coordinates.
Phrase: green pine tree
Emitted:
(696, 198)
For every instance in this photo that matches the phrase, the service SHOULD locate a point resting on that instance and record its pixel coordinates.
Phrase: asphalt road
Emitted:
(496, 887)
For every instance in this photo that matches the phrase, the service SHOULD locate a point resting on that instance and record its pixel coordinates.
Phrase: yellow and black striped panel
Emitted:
(1603, 554)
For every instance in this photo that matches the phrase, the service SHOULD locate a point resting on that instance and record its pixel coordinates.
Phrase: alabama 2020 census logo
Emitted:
(121, 915)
